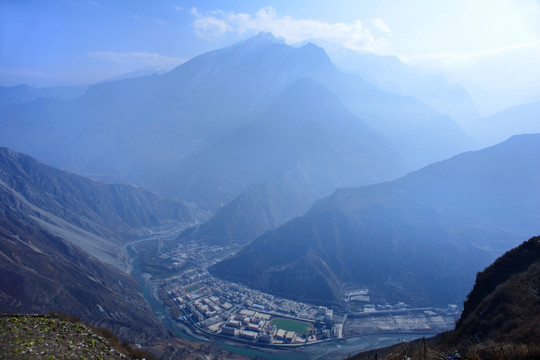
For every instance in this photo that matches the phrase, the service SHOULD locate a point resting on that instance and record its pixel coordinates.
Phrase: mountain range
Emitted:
(159, 132)
(277, 148)
(391, 74)
(421, 237)
(151, 130)
(20, 94)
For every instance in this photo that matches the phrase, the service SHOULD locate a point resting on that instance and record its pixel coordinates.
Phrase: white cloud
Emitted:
(208, 26)
(353, 36)
(381, 25)
(138, 58)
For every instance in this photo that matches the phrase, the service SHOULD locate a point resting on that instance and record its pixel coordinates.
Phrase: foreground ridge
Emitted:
(56, 335)
(500, 319)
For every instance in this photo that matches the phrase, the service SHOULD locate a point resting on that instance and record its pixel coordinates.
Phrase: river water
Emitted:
(326, 351)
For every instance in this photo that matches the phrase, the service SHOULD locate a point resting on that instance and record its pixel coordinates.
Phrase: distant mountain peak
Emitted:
(262, 38)
(267, 35)
(315, 51)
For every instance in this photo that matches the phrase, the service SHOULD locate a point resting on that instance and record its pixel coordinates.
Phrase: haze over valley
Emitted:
(270, 182)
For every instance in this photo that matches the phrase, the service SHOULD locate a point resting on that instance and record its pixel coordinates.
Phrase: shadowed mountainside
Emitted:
(303, 147)
(501, 316)
(504, 305)
(420, 238)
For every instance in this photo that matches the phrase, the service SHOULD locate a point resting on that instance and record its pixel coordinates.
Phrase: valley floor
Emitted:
(235, 314)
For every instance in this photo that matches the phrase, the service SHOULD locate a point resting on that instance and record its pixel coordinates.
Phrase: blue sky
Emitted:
(66, 42)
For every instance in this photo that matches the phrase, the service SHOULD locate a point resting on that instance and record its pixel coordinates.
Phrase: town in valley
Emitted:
(211, 307)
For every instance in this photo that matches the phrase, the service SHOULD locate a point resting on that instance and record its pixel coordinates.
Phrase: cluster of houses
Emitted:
(257, 326)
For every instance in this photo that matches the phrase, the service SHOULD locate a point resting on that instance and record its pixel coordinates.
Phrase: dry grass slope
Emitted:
(59, 336)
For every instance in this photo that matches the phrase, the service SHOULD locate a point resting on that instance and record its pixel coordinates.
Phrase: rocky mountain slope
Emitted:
(95, 216)
(52, 336)
(62, 245)
(501, 315)
(504, 305)
(62, 241)
(420, 238)
(41, 272)
(58, 336)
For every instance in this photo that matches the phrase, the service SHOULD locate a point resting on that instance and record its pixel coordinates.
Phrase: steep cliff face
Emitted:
(40, 272)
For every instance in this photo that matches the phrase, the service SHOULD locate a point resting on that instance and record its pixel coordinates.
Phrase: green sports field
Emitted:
(192, 288)
(298, 327)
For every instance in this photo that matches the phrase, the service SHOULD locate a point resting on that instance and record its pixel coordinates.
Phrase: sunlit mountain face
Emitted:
(277, 176)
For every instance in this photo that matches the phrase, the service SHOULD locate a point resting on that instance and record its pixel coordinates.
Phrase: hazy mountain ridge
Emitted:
(416, 133)
(20, 94)
(434, 227)
(261, 207)
(167, 115)
(419, 133)
(521, 119)
(142, 130)
(390, 74)
(120, 206)
(161, 132)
